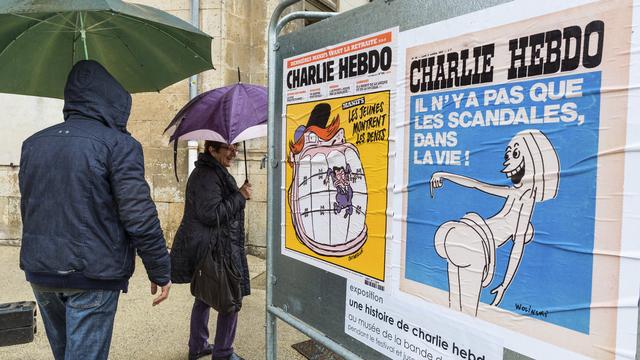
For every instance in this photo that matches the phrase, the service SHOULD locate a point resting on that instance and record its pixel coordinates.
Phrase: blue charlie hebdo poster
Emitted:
(512, 179)
(496, 193)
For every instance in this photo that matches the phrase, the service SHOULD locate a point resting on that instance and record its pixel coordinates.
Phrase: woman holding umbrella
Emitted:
(214, 205)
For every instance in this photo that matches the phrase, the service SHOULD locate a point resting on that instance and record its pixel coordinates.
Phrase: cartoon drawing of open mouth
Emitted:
(516, 174)
(328, 192)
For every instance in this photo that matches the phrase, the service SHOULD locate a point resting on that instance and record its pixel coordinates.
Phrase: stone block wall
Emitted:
(238, 29)
(10, 223)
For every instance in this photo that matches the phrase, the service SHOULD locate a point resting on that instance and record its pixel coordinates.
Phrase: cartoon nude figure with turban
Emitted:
(469, 244)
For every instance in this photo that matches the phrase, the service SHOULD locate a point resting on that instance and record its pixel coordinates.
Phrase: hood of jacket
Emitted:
(92, 93)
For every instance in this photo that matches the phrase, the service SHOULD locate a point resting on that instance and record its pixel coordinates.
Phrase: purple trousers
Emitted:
(199, 333)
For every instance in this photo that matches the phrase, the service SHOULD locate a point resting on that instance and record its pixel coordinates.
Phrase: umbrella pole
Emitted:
(244, 146)
(246, 173)
(83, 35)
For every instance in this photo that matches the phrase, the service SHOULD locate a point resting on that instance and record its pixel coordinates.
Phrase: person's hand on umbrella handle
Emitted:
(245, 190)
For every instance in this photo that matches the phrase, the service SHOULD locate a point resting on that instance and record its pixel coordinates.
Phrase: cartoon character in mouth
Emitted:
(341, 178)
(469, 244)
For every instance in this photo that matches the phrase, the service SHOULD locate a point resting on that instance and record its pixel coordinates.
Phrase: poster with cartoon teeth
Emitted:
(328, 191)
(337, 105)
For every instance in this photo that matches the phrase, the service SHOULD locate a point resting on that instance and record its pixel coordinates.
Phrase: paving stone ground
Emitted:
(146, 332)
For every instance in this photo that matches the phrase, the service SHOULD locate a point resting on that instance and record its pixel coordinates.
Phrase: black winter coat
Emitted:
(212, 200)
(86, 207)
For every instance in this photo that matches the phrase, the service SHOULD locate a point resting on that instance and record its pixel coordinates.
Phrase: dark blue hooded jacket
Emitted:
(85, 203)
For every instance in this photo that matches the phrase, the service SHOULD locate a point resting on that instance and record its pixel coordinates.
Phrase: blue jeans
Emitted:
(78, 323)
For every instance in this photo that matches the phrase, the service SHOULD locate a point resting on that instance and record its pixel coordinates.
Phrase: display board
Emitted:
(460, 184)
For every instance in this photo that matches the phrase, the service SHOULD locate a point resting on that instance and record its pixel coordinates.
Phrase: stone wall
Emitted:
(10, 224)
(238, 29)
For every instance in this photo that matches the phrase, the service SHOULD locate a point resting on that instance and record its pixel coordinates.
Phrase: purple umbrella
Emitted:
(228, 114)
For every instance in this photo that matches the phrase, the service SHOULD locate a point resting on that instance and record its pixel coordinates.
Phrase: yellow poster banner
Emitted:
(336, 181)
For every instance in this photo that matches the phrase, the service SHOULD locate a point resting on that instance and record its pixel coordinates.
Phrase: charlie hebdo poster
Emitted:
(514, 166)
(515, 210)
(337, 125)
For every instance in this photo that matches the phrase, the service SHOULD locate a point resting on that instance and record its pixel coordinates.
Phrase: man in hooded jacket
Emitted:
(86, 211)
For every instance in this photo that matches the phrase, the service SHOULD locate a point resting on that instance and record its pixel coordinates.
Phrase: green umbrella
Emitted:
(144, 48)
